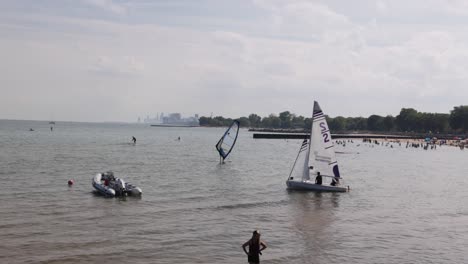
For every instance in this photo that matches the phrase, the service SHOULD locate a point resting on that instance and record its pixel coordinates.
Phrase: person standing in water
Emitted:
(134, 140)
(256, 246)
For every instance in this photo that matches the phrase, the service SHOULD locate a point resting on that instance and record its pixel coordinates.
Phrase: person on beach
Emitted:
(318, 179)
(134, 140)
(256, 246)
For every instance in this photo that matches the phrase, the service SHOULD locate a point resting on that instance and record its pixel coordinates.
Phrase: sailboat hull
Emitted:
(310, 186)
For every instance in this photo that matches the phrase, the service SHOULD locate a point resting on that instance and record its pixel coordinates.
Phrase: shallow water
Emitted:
(405, 205)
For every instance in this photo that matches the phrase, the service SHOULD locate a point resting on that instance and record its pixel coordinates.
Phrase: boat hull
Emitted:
(116, 191)
(310, 186)
(101, 188)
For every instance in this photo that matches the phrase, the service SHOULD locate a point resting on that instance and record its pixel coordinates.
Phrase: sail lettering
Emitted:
(324, 132)
(325, 138)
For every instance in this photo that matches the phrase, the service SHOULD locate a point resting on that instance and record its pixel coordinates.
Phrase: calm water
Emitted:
(405, 205)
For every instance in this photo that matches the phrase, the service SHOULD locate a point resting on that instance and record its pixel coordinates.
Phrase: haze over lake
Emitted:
(405, 205)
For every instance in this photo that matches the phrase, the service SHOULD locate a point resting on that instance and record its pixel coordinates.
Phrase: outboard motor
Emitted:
(120, 186)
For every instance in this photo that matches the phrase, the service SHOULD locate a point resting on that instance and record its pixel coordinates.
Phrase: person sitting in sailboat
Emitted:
(318, 179)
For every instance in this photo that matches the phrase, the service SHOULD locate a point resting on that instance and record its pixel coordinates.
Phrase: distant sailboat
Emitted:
(227, 141)
(317, 157)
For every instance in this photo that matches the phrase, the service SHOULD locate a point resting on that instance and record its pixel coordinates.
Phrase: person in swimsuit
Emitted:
(256, 246)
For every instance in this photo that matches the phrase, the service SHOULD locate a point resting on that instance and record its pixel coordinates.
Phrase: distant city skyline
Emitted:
(111, 61)
(168, 117)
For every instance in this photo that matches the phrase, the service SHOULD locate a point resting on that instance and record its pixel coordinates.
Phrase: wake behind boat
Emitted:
(107, 185)
(316, 157)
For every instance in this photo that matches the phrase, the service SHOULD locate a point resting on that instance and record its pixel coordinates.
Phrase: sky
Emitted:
(117, 60)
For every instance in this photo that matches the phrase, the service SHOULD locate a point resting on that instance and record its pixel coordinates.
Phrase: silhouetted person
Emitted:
(254, 248)
(134, 140)
(318, 179)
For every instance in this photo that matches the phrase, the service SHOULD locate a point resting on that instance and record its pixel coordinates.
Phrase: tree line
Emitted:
(409, 120)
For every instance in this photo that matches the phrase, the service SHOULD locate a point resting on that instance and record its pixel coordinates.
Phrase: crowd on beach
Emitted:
(413, 143)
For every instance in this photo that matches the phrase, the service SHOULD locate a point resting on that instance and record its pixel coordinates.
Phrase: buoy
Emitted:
(71, 182)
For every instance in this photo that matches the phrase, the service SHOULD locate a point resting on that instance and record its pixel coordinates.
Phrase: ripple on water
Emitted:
(405, 205)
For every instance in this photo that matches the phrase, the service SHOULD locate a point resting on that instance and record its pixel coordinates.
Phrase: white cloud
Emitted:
(125, 65)
(293, 53)
(108, 5)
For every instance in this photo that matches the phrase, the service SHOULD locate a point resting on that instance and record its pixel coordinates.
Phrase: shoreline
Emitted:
(300, 133)
(371, 138)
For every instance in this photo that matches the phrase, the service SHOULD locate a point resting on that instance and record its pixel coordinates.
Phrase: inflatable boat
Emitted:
(108, 185)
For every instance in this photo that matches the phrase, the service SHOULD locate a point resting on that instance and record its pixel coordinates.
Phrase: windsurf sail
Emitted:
(227, 141)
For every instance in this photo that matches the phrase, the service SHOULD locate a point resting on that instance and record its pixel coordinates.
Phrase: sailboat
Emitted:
(316, 157)
(227, 141)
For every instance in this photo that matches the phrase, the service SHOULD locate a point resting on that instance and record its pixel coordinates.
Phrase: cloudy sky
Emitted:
(116, 60)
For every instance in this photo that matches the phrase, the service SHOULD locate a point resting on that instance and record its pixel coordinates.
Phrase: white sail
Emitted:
(300, 166)
(227, 141)
(316, 155)
(322, 153)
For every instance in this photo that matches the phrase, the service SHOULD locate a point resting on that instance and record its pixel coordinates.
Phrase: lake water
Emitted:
(405, 205)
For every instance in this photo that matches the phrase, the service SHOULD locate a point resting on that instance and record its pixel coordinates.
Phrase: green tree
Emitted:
(218, 121)
(205, 121)
(459, 118)
(285, 118)
(297, 122)
(266, 122)
(441, 123)
(407, 119)
(244, 122)
(255, 120)
(275, 121)
(375, 123)
(336, 124)
(388, 123)
(356, 123)
(308, 124)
